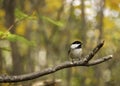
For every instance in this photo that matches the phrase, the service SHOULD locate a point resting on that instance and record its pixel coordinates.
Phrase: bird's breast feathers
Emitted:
(76, 53)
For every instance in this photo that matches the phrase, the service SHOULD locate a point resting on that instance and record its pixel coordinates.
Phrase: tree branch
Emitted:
(67, 64)
(93, 52)
(98, 61)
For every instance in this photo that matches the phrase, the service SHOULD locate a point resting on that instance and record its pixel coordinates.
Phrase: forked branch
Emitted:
(67, 64)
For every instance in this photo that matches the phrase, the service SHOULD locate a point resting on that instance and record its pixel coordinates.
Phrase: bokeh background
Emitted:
(35, 34)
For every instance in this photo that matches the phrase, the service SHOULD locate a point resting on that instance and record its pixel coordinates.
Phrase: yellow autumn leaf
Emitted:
(53, 5)
(21, 28)
(113, 4)
(108, 23)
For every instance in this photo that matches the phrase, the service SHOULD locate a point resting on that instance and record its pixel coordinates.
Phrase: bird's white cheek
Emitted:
(73, 46)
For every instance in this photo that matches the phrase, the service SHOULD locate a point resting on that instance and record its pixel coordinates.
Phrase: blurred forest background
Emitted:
(35, 34)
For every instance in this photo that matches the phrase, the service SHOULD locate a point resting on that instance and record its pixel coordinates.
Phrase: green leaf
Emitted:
(20, 15)
(14, 38)
(57, 23)
(5, 48)
(1, 34)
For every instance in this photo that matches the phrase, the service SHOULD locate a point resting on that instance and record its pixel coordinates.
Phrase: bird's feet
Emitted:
(73, 61)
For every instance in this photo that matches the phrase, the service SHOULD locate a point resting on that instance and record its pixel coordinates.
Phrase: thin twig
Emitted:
(12, 26)
(93, 52)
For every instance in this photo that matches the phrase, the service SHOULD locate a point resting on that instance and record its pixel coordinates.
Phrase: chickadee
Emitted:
(75, 51)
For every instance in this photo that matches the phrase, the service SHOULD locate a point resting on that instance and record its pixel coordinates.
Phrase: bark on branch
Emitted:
(85, 62)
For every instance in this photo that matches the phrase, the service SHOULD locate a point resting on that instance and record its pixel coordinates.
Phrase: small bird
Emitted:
(75, 51)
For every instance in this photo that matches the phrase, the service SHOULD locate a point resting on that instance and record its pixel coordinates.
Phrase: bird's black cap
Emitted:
(77, 42)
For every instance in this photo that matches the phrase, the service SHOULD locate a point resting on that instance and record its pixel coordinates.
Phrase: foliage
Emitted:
(57, 23)
(14, 38)
(21, 16)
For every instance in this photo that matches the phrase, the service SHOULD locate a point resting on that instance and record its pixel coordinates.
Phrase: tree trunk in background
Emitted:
(82, 31)
(1, 64)
(69, 77)
(9, 6)
(67, 31)
(1, 61)
(83, 23)
(101, 16)
(98, 70)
